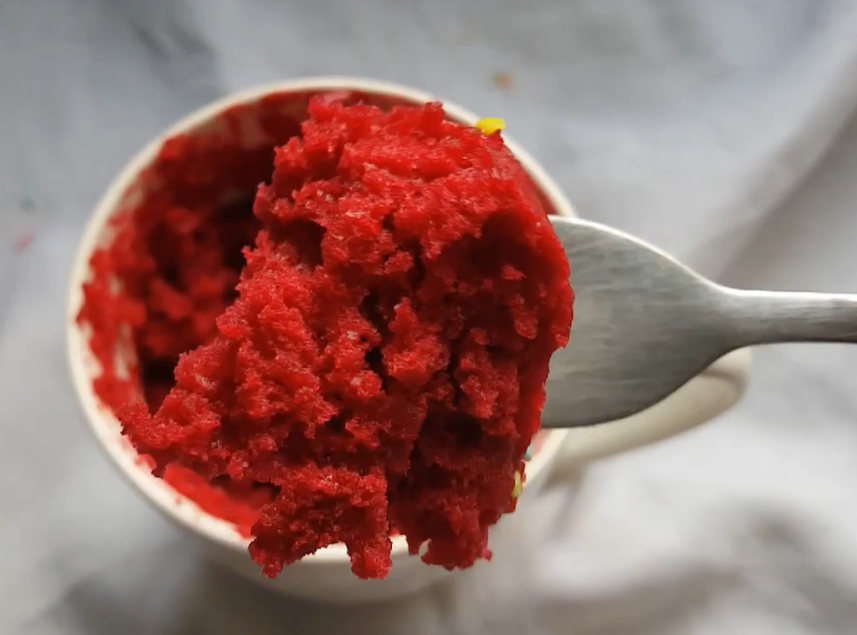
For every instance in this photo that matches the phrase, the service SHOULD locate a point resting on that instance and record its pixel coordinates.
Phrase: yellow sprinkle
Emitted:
(490, 125)
(519, 487)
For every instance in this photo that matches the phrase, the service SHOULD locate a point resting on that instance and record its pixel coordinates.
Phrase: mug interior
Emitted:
(247, 111)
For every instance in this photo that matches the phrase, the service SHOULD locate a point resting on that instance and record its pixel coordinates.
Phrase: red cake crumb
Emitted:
(384, 363)
(176, 253)
(215, 501)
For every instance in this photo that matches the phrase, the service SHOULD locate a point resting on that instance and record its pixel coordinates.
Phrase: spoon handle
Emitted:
(767, 317)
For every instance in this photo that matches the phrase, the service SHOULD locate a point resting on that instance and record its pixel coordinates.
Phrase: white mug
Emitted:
(326, 575)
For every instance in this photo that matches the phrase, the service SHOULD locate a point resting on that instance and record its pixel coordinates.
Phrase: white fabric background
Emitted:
(719, 130)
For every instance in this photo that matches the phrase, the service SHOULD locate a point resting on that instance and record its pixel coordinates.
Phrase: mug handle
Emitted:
(707, 395)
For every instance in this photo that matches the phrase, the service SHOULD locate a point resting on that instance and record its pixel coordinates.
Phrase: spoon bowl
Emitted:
(645, 324)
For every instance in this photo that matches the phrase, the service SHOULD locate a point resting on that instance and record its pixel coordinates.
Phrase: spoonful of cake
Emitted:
(645, 324)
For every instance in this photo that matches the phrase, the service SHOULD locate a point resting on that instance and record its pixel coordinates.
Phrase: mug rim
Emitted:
(102, 422)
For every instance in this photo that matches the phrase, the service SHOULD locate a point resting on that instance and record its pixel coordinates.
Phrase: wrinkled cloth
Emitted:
(723, 131)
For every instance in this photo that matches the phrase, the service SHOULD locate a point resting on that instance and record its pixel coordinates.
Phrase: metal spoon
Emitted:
(645, 324)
